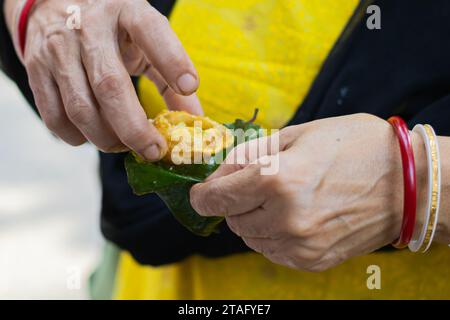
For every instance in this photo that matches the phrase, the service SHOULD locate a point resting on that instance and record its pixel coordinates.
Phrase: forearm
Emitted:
(9, 8)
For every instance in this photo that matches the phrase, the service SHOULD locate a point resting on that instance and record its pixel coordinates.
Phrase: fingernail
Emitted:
(187, 83)
(152, 153)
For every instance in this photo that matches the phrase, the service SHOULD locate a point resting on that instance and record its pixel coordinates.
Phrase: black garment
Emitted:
(400, 69)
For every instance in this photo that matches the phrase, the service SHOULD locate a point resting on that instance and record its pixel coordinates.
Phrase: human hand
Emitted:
(81, 78)
(337, 194)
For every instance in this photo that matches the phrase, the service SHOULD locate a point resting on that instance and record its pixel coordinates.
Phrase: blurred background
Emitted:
(49, 207)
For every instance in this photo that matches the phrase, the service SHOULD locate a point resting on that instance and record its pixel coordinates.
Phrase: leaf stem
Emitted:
(255, 115)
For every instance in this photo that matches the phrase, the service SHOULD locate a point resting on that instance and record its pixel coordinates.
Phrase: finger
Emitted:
(117, 98)
(80, 105)
(258, 223)
(173, 100)
(280, 252)
(283, 252)
(152, 33)
(230, 195)
(50, 106)
(264, 246)
(249, 152)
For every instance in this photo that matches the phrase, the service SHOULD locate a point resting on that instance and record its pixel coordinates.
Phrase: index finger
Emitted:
(152, 33)
(118, 101)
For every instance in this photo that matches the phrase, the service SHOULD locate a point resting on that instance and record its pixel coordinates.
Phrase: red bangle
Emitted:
(23, 23)
(409, 181)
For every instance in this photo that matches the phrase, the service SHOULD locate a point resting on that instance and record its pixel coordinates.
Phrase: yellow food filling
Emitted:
(191, 139)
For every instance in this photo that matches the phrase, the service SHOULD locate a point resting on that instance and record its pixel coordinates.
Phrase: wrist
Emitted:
(10, 8)
(442, 234)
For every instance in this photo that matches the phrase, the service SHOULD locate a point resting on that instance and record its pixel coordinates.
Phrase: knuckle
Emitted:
(232, 224)
(31, 63)
(214, 202)
(202, 205)
(304, 227)
(163, 20)
(252, 244)
(310, 262)
(141, 19)
(54, 42)
(54, 121)
(79, 111)
(284, 259)
(55, 48)
(274, 249)
(159, 21)
(136, 25)
(301, 258)
(136, 135)
(176, 60)
(109, 86)
(275, 183)
(316, 268)
(110, 148)
(77, 141)
(198, 202)
(287, 133)
(112, 6)
(240, 227)
(195, 194)
(314, 256)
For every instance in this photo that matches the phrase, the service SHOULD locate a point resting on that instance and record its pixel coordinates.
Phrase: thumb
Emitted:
(233, 194)
(248, 153)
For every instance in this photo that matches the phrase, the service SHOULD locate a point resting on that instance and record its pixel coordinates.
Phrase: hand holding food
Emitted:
(80, 78)
(196, 146)
(338, 192)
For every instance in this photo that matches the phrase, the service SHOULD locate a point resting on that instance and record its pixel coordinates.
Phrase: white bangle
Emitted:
(434, 187)
(437, 182)
(415, 245)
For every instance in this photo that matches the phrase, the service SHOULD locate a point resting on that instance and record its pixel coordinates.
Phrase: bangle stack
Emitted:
(424, 238)
(431, 213)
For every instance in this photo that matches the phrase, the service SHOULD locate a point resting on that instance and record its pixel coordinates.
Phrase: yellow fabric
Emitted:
(253, 53)
(404, 275)
(265, 54)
